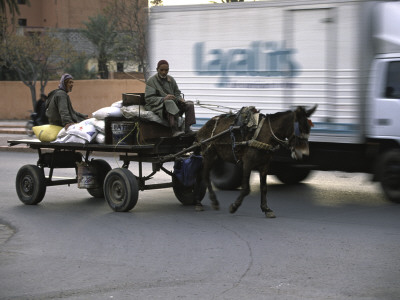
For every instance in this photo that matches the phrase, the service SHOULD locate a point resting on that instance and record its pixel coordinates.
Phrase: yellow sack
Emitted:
(46, 133)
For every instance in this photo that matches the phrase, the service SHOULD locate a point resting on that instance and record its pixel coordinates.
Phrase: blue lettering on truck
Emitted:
(264, 59)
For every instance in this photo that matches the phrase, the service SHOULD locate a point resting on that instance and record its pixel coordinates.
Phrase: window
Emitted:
(392, 88)
(22, 22)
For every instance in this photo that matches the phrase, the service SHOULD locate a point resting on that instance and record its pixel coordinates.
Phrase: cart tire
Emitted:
(186, 195)
(389, 175)
(226, 176)
(121, 190)
(30, 184)
(102, 168)
(291, 175)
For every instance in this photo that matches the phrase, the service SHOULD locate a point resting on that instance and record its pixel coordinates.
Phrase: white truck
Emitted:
(343, 55)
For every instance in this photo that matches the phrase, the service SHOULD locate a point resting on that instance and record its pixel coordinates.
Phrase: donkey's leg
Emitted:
(244, 192)
(207, 164)
(211, 193)
(263, 189)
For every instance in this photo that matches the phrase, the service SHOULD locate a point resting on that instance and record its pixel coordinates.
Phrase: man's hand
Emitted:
(67, 125)
(169, 97)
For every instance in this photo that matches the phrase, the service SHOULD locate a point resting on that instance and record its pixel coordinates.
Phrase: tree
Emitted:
(130, 18)
(228, 1)
(156, 2)
(101, 32)
(35, 57)
(12, 5)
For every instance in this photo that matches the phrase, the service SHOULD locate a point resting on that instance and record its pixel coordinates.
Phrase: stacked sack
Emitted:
(93, 130)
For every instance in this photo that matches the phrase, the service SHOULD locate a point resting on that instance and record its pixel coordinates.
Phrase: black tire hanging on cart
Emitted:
(102, 168)
(30, 184)
(186, 194)
(121, 190)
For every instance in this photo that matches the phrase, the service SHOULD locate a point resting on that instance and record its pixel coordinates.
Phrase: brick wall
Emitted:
(87, 96)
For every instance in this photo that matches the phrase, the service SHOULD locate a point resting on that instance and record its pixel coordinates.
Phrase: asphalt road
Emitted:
(335, 237)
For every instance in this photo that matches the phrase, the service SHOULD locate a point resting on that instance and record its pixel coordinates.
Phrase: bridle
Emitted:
(287, 143)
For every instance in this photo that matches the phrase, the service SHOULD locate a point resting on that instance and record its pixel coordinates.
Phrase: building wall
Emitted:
(87, 96)
(60, 14)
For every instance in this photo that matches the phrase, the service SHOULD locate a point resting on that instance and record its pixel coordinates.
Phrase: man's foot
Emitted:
(189, 132)
(177, 133)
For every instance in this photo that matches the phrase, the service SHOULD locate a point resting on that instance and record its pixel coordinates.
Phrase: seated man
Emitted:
(163, 97)
(58, 105)
(40, 110)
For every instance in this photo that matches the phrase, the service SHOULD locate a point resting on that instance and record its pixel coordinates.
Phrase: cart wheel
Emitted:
(30, 184)
(186, 195)
(102, 168)
(121, 190)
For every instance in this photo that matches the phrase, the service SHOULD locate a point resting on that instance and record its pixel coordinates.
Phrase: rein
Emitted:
(284, 143)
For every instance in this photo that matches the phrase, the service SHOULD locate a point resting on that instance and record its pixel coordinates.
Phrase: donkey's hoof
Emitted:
(270, 214)
(199, 207)
(233, 208)
(215, 206)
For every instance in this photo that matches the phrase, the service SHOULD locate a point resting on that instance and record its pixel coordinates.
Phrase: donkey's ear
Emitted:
(311, 110)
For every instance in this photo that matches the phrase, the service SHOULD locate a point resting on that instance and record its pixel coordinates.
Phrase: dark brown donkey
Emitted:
(253, 149)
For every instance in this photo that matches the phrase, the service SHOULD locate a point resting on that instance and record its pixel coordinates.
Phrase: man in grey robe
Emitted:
(163, 97)
(58, 105)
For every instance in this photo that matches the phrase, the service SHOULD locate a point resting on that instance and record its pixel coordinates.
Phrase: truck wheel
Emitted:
(30, 184)
(102, 168)
(121, 190)
(389, 175)
(291, 175)
(226, 176)
(186, 195)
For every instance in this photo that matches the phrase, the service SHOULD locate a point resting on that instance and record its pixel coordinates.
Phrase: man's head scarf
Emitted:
(162, 62)
(62, 81)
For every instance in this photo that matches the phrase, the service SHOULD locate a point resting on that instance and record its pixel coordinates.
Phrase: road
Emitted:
(335, 237)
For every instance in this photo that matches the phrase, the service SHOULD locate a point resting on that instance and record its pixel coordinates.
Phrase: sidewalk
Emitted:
(13, 130)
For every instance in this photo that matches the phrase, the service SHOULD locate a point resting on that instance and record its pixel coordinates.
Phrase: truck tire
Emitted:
(30, 184)
(291, 175)
(226, 176)
(121, 190)
(102, 168)
(186, 195)
(389, 174)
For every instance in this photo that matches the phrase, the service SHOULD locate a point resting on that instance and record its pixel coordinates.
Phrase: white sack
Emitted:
(105, 112)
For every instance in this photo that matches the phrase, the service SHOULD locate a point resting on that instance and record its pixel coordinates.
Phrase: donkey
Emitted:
(253, 149)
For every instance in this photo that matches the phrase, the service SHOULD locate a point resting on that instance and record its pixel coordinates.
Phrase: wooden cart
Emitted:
(119, 186)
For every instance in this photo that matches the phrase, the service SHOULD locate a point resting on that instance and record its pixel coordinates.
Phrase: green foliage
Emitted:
(12, 7)
(131, 23)
(35, 58)
(101, 32)
(156, 3)
(79, 68)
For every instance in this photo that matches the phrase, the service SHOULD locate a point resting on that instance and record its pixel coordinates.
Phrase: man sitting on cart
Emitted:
(163, 97)
(58, 105)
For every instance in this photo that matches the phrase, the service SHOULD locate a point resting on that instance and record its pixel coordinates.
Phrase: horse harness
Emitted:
(253, 141)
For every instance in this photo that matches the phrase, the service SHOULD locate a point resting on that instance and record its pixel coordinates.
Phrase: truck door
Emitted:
(311, 32)
(386, 108)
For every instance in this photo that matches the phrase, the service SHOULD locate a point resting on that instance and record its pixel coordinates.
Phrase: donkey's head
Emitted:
(302, 128)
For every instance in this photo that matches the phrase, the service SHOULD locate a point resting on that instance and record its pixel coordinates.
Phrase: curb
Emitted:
(16, 149)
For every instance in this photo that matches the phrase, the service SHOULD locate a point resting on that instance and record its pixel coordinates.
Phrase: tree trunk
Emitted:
(103, 68)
